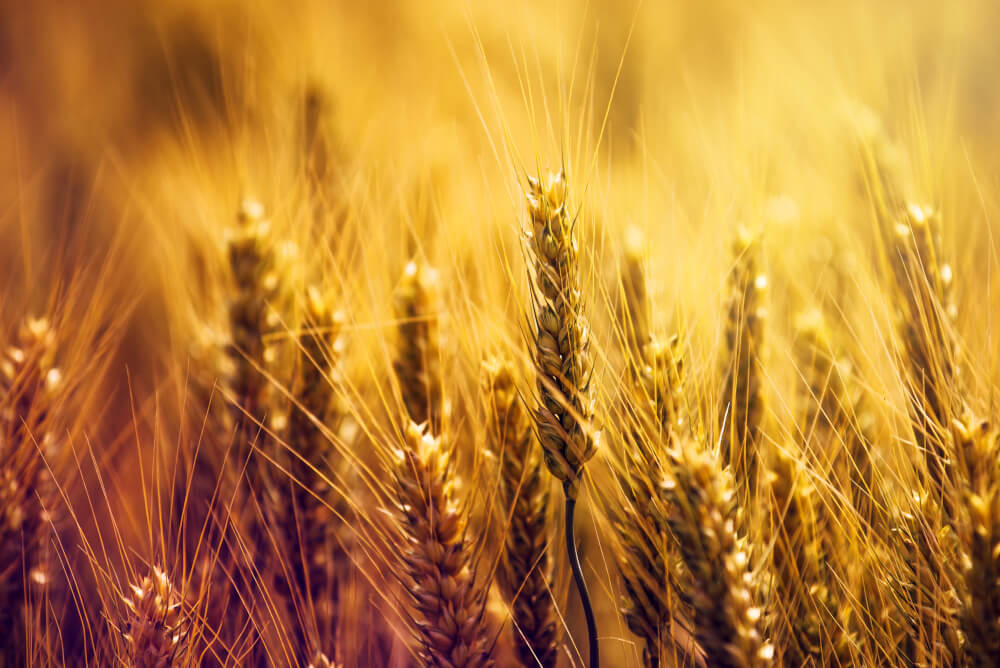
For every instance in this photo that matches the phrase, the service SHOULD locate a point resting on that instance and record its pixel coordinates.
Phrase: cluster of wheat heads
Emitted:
(395, 420)
(737, 540)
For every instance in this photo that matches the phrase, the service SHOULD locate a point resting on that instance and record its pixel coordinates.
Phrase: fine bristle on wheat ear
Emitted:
(418, 353)
(526, 573)
(446, 603)
(978, 449)
(29, 383)
(704, 521)
(156, 629)
(562, 358)
(742, 408)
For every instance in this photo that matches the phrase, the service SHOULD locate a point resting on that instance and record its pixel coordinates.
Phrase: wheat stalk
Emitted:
(652, 413)
(925, 546)
(565, 409)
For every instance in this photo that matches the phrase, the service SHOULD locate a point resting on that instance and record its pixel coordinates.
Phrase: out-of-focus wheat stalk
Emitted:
(836, 421)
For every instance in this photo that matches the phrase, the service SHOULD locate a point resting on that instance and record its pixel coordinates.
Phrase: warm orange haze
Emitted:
(466, 334)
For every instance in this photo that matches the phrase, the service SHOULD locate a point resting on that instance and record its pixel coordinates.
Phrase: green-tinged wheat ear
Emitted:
(418, 353)
(566, 406)
(157, 628)
(705, 521)
(926, 547)
(923, 284)
(814, 618)
(834, 417)
(742, 408)
(30, 384)
(978, 449)
(524, 495)
(446, 603)
(320, 564)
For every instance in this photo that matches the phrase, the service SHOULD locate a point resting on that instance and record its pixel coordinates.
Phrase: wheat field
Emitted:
(539, 333)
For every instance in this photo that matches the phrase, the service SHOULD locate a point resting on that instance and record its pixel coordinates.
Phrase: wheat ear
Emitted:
(157, 626)
(924, 586)
(524, 495)
(835, 418)
(566, 408)
(321, 567)
(978, 448)
(562, 361)
(704, 521)
(742, 410)
(923, 282)
(29, 387)
(813, 616)
(446, 603)
(652, 414)
(418, 360)
(252, 317)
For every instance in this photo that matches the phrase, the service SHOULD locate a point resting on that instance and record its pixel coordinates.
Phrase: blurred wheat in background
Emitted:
(530, 333)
